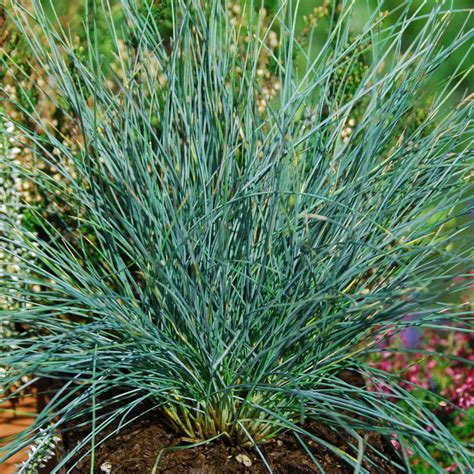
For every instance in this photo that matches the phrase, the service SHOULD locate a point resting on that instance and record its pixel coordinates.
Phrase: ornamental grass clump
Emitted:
(240, 220)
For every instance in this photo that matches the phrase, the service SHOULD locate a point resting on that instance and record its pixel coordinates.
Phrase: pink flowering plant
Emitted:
(437, 366)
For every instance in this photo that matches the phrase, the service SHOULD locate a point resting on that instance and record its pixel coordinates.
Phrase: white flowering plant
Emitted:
(10, 209)
(40, 452)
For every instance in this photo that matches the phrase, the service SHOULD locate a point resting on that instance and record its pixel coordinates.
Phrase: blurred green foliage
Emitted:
(424, 6)
(72, 14)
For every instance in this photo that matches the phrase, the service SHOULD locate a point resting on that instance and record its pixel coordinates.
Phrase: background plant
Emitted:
(232, 259)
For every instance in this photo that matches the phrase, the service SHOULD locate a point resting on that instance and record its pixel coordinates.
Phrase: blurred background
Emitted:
(72, 12)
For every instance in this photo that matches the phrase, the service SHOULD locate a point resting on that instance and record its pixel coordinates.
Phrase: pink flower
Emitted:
(396, 444)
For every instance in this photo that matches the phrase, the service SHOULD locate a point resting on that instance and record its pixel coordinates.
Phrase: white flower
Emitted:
(106, 467)
(15, 151)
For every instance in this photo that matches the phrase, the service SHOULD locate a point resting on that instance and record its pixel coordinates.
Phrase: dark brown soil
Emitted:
(135, 450)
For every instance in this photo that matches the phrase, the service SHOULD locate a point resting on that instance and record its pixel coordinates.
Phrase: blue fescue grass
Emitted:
(227, 263)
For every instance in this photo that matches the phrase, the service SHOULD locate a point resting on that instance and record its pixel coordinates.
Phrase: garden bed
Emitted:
(140, 445)
(136, 447)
